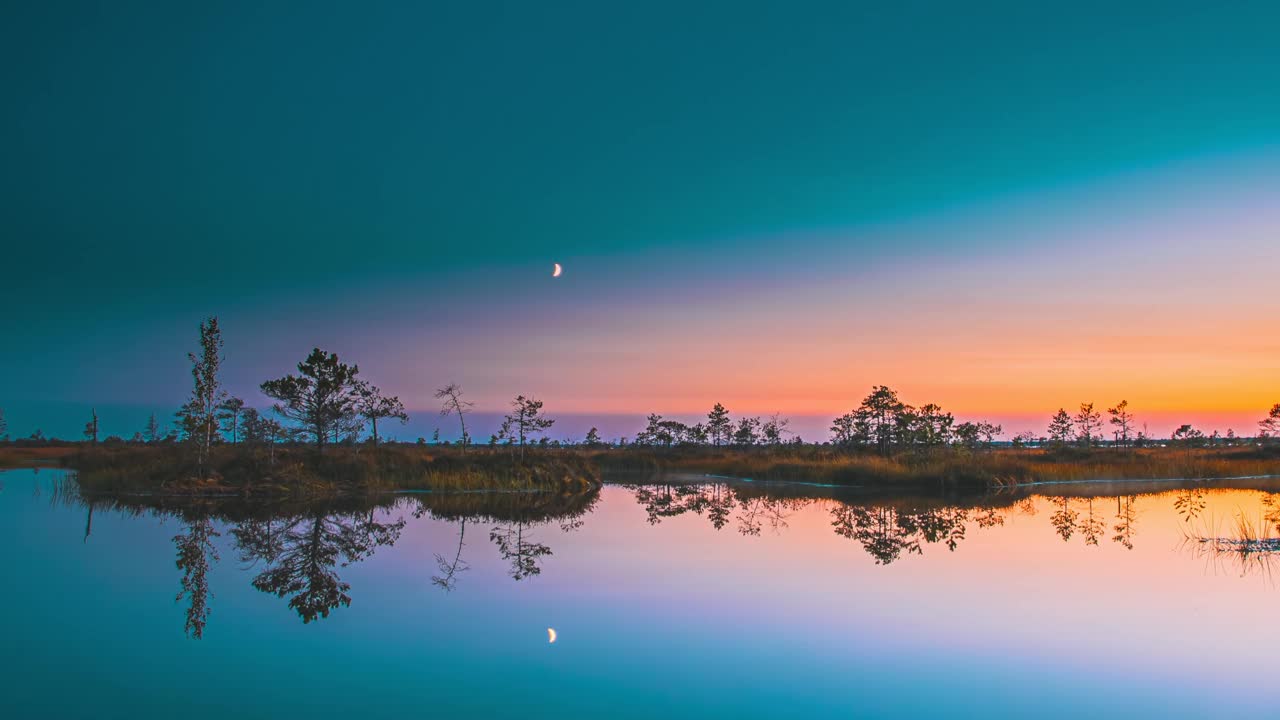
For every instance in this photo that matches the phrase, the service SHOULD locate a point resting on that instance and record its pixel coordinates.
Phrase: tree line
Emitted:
(326, 402)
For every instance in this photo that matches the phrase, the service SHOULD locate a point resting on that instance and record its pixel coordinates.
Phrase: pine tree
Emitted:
(719, 426)
(525, 419)
(1123, 420)
(1061, 428)
(1087, 422)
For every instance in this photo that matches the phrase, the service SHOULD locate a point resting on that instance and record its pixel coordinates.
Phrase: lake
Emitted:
(666, 600)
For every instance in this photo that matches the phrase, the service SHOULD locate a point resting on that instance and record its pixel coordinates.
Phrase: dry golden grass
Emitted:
(301, 470)
(949, 467)
(18, 457)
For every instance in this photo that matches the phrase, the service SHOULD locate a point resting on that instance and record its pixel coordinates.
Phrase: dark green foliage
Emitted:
(322, 397)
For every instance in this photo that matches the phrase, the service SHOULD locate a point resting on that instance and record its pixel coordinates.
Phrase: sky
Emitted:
(1004, 208)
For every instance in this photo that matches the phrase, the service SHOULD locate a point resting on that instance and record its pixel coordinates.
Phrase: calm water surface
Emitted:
(667, 601)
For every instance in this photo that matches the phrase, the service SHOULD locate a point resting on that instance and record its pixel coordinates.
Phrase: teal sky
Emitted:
(393, 180)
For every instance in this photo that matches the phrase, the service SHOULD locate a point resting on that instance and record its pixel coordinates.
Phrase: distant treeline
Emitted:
(327, 402)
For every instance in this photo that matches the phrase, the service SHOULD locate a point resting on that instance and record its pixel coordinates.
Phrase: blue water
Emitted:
(774, 614)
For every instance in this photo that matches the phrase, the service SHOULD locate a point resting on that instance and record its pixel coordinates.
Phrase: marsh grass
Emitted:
(1247, 544)
(946, 467)
(303, 471)
(24, 456)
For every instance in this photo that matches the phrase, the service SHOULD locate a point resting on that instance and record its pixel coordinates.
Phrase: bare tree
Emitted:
(453, 404)
(775, 428)
(447, 579)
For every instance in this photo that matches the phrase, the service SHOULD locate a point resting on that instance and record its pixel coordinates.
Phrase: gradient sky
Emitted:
(1001, 207)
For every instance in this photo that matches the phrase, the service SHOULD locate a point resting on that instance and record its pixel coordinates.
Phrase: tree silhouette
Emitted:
(525, 419)
(774, 428)
(151, 433)
(1088, 424)
(372, 405)
(719, 426)
(976, 435)
(322, 397)
(1269, 427)
(91, 427)
(1123, 420)
(199, 415)
(453, 404)
(1061, 427)
(876, 419)
(747, 432)
(229, 412)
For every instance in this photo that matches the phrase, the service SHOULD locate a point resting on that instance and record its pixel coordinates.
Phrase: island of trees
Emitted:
(325, 433)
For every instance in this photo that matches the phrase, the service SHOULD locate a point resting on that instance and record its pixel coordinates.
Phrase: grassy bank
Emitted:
(303, 471)
(947, 467)
(16, 456)
(306, 472)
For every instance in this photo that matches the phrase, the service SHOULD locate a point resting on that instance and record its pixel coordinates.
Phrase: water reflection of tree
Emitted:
(302, 557)
(1064, 518)
(1190, 503)
(1126, 516)
(449, 569)
(719, 504)
(878, 529)
(945, 525)
(512, 517)
(195, 553)
(666, 500)
(1092, 526)
(757, 512)
(522, 552)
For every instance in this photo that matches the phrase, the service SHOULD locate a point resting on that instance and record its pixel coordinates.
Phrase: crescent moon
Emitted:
(556, 273)
(551, 635)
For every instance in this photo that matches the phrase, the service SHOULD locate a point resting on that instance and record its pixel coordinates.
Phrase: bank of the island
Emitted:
(300, 470)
